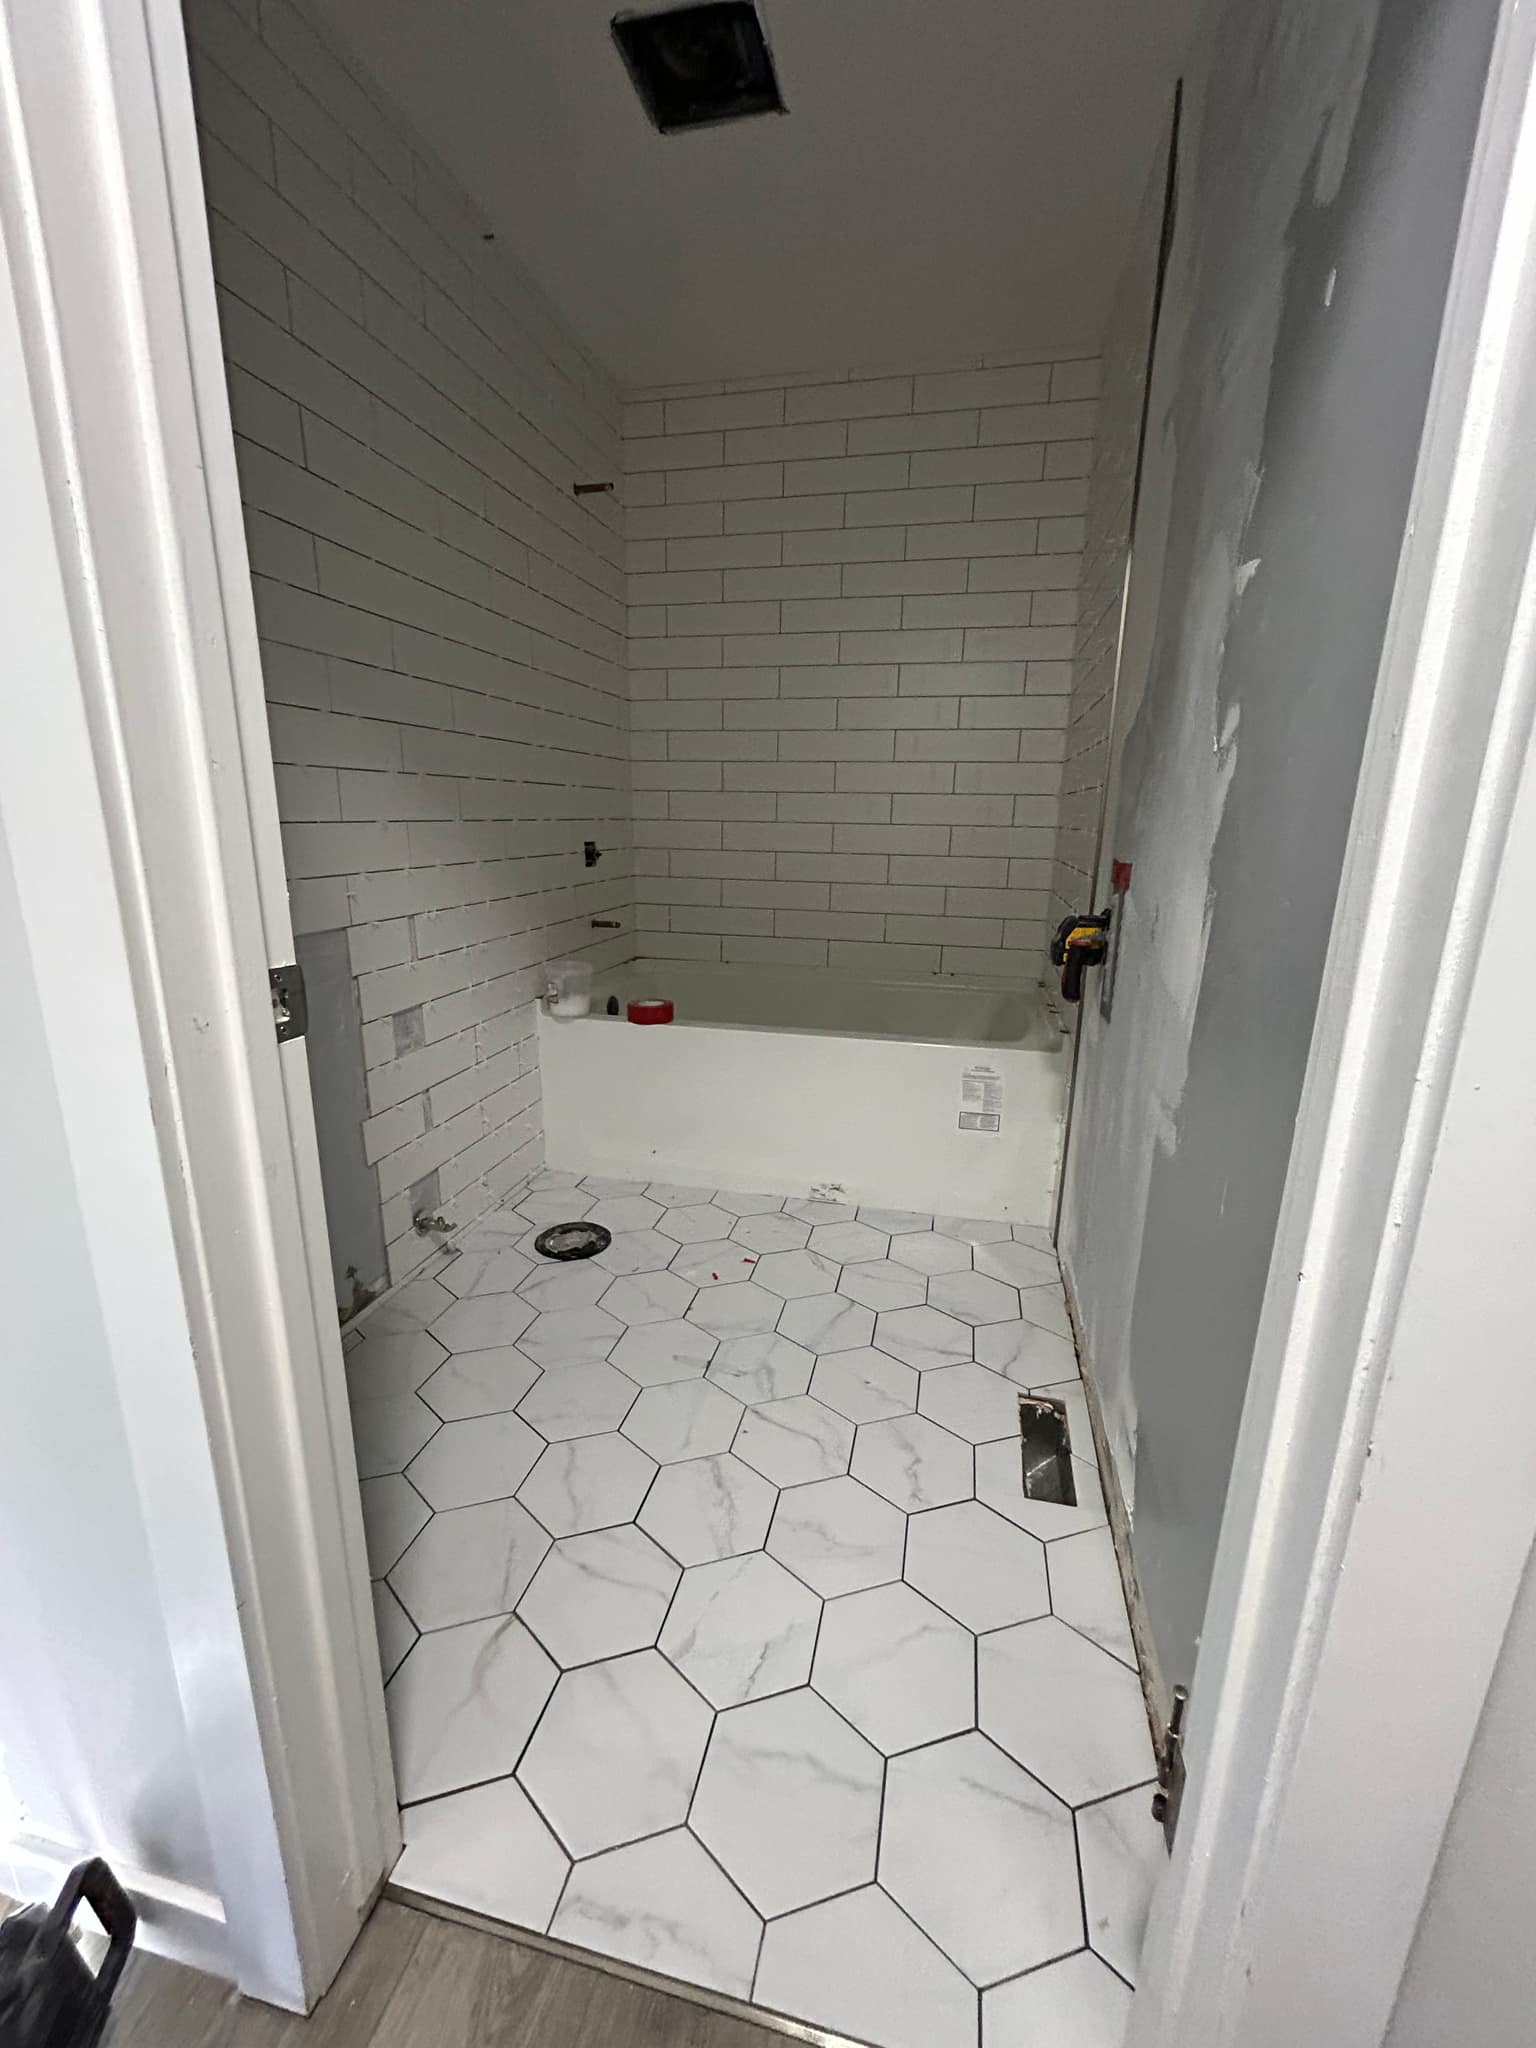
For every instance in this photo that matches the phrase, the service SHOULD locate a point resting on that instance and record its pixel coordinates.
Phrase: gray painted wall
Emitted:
(1325, 159)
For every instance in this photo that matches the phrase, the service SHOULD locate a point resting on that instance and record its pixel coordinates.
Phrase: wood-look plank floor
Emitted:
(414, 1981)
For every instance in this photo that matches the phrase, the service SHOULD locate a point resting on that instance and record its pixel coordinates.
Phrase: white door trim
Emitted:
(1365, 1572)
(102, 216)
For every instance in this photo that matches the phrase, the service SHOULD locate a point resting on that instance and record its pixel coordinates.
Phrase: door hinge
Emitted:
(1169, 1796)
(290, 1004)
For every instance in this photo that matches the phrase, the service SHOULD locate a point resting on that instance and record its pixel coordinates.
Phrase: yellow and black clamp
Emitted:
(1081, 941)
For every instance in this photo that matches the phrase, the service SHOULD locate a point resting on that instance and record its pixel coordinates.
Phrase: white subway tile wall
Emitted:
(442, 620)
(853, 609)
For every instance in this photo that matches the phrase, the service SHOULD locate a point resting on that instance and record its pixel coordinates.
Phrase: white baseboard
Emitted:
(175, 1920)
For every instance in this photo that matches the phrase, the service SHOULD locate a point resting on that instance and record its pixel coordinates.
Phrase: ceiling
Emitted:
(952, 177)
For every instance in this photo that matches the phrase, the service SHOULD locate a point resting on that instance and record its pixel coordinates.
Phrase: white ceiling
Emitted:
(953, 176)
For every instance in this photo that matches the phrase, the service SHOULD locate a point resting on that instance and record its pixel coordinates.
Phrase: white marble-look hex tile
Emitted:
(641, 1298)
(391, 1362)
(663, 1905)
(688, 1419)
(485, 1458)
(1018, 1265)
(485, 1849)
(660, 1354)
(859, 1966)
(931, 1252)
(415, 1306)
(625, 1212)
(387, 1434)
(469, 1564)
(865, 1385)
(674, 1194)
(1076, 2003)
(972, 1297)
(1080, 1424)
(494, 1269)
(616, 1753)
(394, 1627)
(923, 1338)
(848, 1242)
(810, 1210)
(479, 1383)
(589, 1483)
(578, 1400)
(549, 1206)
(795, 1274)
(1123, 1855)
(482, 1321)
(913, 1462)
(739, 1310)
(1036, 1235)
(697, 1223)
(970, 1401)
(1026, 1354)
(789, 1801)
(566, 1288)
(394, 1513)
(604, 1190)
(764, 1367)
(708, 1508)
(827, 1322)
(897, 1667)
(1065, 1709)
(1047, 1307)
(981, 1856)
(882, 1284)
(716, 1264)
(744, 1203)
(895, 1221)
(976, 1566)
(795, 1441)
(1000, 1483)
(1086, 1591)
(599, 1595)
(636, 1251)
(772, 1233)
(741, 1628)
(838, 1536)
(463, 1704)
(572, 1336)
(974, 1230)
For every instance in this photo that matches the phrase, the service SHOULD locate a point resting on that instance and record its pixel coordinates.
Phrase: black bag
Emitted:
(48, 1996)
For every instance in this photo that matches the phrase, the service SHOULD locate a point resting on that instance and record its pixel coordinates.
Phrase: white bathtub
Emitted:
(941, 1096)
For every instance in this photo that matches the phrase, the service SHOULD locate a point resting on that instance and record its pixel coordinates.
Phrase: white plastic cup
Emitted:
(568, 987)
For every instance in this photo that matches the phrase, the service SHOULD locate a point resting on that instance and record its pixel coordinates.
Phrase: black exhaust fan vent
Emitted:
(696, 66)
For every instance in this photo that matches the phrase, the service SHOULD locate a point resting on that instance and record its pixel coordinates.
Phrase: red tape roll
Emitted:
(653, 1010)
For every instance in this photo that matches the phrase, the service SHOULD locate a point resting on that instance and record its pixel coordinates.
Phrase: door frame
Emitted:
(101, 210)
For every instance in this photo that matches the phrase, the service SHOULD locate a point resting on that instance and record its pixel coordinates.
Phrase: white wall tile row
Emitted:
(442, 621)
(852, 616)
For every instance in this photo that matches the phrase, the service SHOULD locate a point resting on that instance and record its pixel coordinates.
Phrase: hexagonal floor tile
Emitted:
(696, 1223)
(708, 1508)
(914, 1463)
(463, 1704)
(982, 1857)
(483, 1320)
(976, 1566)
(625, 1212)
(793, 1274)
(578, 1400)
(929, 1251)
(848, 1242)
(771, 1233)
(394, 1628)
(387, 1434)
(572, 1336)
(971, 1402)
(865, 1385)
(589, 1483)
(923, 1337)
(1077, 2002)
(1020, 1265)
(396, 1362)
(1026, 1354)
(899, 1669)
(1047, 1307)
(1086, 1591)
(664, 1905)
(483, 1459)
(795, 1441)
(838, 1536)
(974, 1230)
(573, 1285)
(599, 1595)
(617, 1752)
(497, 1269)
(648, 1298)
(542, 1209)
(636, 1251)
(811, 1210)
(689, 1419)
(740, 1310)
(882, 1284)
(1000, 1483)
(765, 1367)
(677, 1194)
(859, 1965)
(1065, 1709)
(658, 1354)
(604, 1189)
(393, 1515)
(469, 1563)
(1121, 1849)
(827, 1322)
(972, 1297)
(789, 1801)
(479, 1383)
(716, 1264)
(744, 1203)
(486, 1849)
(741, 1629)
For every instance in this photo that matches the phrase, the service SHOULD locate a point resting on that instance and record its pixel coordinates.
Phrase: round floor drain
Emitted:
(572, 1241)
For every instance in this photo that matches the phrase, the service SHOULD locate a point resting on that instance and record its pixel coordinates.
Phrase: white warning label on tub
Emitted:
(981, 1099)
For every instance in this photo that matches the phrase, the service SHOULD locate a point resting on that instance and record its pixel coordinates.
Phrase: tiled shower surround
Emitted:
(720, 1636)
